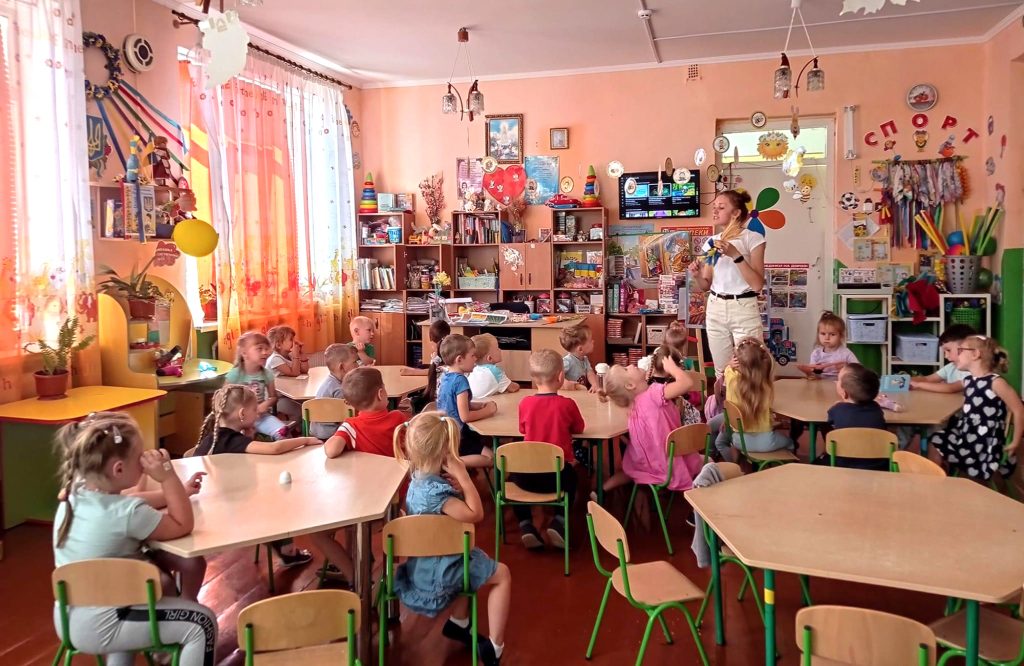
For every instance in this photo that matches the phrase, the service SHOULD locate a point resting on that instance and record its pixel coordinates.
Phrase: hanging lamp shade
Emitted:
(815, 78)
(783, 78)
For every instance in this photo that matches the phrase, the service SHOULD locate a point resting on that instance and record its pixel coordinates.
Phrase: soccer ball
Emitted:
(138, 53)
(849, 201)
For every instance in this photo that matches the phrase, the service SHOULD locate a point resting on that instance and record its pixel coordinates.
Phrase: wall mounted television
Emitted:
(640, 199)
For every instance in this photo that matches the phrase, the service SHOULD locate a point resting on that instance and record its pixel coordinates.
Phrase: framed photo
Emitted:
(559, 138)
(503, 137)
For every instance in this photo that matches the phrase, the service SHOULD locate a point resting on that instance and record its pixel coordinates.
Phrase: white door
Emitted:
(807, 236)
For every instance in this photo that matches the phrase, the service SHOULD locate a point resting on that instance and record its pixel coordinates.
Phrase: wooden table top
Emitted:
(944, 536)
(190, 373)
(80, 402)
(243, 503)
(810, 400)
(305, 387)
(604, 420)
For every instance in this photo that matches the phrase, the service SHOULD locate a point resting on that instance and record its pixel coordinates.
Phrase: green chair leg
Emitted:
(256, 557)
(382, 620)
(664, 629)
(600, 616)
(805, 590)
(647, 636)
(743, 589)
(499, 520)
(565, 524)
(661, 519)
(629, 507)
(60, 653)
(473, 628)
(696, 636)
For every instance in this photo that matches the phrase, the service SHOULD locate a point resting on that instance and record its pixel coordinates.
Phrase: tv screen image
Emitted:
(646, 201)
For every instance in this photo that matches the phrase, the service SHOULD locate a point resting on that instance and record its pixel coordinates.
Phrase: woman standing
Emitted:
(734, 280)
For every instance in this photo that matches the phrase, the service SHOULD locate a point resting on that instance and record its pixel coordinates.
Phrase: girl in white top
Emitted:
(733, 280)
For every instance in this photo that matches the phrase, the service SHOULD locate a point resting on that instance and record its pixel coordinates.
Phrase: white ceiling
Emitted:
(395, 42)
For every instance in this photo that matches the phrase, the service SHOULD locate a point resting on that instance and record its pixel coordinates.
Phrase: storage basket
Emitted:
(872, 328)
(962, 274)
(917, 347)
(656, 334)
(969, 316)
(479, 282)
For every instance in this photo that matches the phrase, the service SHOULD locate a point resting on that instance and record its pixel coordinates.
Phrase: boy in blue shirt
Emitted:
(458, 353)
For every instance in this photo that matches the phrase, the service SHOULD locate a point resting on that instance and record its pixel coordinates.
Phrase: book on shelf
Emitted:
(474, 230)
(374, 276)
(381, 305)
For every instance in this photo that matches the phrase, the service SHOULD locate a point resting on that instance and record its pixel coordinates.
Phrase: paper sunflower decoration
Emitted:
(772, 145)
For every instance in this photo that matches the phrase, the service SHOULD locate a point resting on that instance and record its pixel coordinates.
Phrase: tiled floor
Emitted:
(551, 615)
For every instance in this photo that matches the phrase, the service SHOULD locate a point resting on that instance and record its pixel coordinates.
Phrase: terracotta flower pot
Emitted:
(210, 310)
(141, 309)
(51, 387)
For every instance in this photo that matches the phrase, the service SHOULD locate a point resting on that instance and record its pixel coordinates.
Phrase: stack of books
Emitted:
(374, 276)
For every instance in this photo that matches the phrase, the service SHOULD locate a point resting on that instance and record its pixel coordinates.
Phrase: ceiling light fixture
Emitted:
(783, 80)
(452, 101)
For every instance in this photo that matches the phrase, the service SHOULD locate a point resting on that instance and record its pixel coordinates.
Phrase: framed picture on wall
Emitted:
(504, 138)
(559, 138)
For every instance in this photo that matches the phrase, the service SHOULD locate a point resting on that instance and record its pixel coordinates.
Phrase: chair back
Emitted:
(298, 620)
(529, 458)
(861, 637)
(108, 581)
(911, 463)
(729, 470)
(688, 439)
(427, 535)
(191, 452)
(700, 382)
(607, 530)
(326, 410)
(733, 416)
(861, 443)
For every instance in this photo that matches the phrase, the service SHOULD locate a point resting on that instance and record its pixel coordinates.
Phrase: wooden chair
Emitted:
(864, 443)
(906, 462)
(700, 380)
(424, 535)
(734, 421)
(1000, 637)
(653, 587)
(303, 627)
(324, 410)
(109, 582)
(861, 637)
(680, 442)
(528, 458)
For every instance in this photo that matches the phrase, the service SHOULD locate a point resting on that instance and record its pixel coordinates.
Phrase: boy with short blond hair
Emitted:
(363, 329)
(579, 342)
(487, 378)
(340, 360)
(552, 418)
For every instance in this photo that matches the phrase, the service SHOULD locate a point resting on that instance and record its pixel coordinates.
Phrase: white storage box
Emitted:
(868, 328)
(917, 347)
(656, 334)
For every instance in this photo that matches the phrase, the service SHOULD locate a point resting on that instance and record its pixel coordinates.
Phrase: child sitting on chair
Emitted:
(579, 342)
(363, 329)
(250, 371)
(287, 359)
(857, 387)
(487, 378)
(340, 360)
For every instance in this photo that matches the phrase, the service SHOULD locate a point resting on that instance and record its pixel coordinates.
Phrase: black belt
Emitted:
(735, 297)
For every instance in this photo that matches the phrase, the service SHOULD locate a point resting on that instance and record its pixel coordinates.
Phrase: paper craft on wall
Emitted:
(541, 178)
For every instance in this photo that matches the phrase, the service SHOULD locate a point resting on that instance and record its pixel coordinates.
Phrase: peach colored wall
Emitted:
(1004, 101)
(641, 117)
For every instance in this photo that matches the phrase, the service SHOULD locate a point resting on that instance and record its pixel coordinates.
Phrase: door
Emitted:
(538, 266)
(512, 273)
(806, 237)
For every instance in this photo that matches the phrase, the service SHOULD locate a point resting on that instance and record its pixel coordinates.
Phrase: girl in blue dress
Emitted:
(428, 585)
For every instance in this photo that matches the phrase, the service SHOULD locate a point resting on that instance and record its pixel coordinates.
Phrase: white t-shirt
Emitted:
(103, 525)
(951, 375)
(275, 360)
(488, 379)
(727, 278)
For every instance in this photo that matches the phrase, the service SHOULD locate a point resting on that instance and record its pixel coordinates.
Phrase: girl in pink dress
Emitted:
(653, 415)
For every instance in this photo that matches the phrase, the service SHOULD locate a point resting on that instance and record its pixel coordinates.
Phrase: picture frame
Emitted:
(503, 138)
(559, 138)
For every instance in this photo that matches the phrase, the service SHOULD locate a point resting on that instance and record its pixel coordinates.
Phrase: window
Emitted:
(814, 139)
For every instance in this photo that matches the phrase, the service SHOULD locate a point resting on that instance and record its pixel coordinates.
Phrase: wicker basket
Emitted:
(962, 274)
(479, 282)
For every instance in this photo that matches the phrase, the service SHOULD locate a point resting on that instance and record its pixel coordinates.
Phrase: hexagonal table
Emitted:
(907, 531)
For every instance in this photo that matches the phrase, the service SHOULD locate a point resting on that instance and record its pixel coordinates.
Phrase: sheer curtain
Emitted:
(46, 240)
(280, 173)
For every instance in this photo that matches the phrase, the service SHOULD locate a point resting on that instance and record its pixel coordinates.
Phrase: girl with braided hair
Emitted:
(102, 462)
(229, 429)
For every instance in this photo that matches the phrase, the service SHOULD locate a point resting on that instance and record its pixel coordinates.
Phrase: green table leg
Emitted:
(813, 430)
(716, 585)
(769, 617)
(972, 633)
(599, 471)
(611, 456)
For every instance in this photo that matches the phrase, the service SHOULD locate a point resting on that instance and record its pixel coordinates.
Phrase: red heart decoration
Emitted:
(506, 184)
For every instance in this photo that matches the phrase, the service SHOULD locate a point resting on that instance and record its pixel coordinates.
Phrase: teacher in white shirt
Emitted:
(734, 281)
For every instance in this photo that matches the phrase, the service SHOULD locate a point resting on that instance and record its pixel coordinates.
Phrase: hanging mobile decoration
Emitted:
(699, 156)
(113, 66)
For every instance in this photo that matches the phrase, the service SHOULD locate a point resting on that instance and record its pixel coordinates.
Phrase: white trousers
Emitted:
(728, 321)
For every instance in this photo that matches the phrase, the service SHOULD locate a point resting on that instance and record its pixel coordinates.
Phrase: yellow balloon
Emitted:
(195, 237)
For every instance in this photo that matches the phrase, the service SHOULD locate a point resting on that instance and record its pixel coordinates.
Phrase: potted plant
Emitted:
(52, 380)
(140, 293)
(208, 299)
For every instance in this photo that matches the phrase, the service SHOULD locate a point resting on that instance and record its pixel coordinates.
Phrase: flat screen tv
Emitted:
(639, 197)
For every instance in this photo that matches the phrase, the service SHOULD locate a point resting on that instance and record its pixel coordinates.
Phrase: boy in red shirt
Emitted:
(552, 418)
(372, 430)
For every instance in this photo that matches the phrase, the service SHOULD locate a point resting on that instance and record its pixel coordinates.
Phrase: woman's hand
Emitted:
(727, 248)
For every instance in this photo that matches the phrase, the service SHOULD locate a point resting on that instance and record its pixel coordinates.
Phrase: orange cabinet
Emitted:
(538, 266)
(512, 271)
(389, 340)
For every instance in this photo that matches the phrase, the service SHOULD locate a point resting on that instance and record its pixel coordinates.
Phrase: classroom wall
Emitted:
(642, 117)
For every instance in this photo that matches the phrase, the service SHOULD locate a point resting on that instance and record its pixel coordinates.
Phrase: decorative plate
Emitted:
(630, 186)
(758, 119)
(615, 169)
(489, 164)
(713, 173)
(922, 97)
(681, 175)
(720, 144)
(699, 156)
(668, 165)
(566, 184)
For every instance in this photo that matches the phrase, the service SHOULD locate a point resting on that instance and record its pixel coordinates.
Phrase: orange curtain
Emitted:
(266, 186)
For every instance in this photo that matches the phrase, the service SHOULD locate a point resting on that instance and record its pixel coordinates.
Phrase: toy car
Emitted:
(784, 351)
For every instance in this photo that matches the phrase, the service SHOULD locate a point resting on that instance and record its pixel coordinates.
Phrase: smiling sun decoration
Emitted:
(772, 145)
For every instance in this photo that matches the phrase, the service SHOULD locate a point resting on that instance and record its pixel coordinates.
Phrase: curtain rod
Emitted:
(185, 19)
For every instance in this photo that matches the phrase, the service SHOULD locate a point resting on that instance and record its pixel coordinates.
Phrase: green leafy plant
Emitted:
(55, 358)
(135, 286)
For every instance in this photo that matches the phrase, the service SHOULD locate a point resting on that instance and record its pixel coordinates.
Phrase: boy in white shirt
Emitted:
(487, 378)
(948, 379)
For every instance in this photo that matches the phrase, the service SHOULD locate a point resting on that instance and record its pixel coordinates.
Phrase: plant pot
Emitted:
(210, 311)
(141, 309)
(51, 387)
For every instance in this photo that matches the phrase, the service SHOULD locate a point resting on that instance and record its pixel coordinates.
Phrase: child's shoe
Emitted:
(530, 536)
(454, 632)
(556, 533)
(487, 653)
(296, 559)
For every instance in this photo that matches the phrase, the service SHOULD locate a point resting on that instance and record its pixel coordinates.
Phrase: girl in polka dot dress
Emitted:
(975, 439)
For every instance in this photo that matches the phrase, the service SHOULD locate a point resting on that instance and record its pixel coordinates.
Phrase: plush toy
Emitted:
(922, 298)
